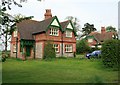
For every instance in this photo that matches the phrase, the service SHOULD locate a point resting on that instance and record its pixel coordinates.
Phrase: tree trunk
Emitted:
(6, 42)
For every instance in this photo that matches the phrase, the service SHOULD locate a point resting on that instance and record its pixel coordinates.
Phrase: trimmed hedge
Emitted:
(49, 51)
(82, 47)
(111, 53)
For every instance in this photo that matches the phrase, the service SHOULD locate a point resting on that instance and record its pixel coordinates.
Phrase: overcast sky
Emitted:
(97, 12)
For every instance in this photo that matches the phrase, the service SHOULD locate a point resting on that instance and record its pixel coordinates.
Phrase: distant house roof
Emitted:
(100, 37)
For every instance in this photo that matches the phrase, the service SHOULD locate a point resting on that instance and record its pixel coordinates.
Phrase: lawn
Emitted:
(70, 70)
(0, 72)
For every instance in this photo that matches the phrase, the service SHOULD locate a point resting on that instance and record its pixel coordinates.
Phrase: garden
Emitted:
(59, 70)
(65, 70)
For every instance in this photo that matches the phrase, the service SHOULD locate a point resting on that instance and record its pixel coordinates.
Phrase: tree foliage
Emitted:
(88, 28)
(110, 53)
(82, 46)
(8, 22)
(49, 51)
(111, 29)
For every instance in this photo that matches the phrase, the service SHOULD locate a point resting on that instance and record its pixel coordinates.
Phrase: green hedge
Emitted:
(49, 51)
(82, 47)
(111, 53)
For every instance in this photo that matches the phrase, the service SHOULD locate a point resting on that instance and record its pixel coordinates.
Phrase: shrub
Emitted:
(61, 57)
(49, 51)
(93, 49)
(110, 53)
(82, 47)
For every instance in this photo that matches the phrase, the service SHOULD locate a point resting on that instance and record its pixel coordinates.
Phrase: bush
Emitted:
(82, 47)
(93, 49)
(61, 57)
(110, 53)
(5, 54)
(49, 51)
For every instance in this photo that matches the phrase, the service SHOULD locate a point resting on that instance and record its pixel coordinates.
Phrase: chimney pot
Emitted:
(48, 14)
(103, 30)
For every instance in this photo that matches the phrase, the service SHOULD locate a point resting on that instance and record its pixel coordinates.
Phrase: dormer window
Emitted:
(68, 33)
(54, 31)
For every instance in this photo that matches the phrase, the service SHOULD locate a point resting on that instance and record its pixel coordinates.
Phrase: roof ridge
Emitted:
(29, 20)
(65, 21)
(46, 19)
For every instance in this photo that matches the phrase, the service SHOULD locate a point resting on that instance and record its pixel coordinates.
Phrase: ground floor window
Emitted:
(14, 48)
(56, 46)
(68, 48)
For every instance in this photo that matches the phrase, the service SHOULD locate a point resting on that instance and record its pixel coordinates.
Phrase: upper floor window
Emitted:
(56, 47)
(68, 48)
(90, 40)
(68, 33)
(54, 31)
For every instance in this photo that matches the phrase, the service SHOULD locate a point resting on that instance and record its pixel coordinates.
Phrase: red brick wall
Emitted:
(69, 39)
(42, 37)
(47, 36)
(19, 54)
(57, 39)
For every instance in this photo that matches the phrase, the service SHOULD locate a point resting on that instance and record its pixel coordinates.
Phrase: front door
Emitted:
(28, 51)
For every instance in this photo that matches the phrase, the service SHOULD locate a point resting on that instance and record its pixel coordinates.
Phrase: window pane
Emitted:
(56, 47)
(68, 33)
(54, 31)
(68, 48)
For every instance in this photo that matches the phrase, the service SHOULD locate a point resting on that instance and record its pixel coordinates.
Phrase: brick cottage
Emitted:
(96, 39)
(29, 39)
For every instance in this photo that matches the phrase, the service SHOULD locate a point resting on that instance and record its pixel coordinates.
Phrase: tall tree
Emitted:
(88, 28)
(75, 22)
(7, 22)
(111, 29)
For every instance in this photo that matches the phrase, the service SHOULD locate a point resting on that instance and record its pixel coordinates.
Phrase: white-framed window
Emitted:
(68, 48)
(56, 46)
(15, 33)
(90, 40)
(54, 31)
(68, 33)
(14, 48)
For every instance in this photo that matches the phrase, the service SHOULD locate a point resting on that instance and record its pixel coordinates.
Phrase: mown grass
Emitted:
(62, 70)
(0, 67)
(0, 72)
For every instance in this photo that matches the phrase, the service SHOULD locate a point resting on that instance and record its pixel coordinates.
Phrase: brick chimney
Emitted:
(48, 14)
(103, 30)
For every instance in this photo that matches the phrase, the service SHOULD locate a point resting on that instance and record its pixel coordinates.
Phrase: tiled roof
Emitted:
(29, 27)
(26, 27)
(64, 24)
(43, 25)
(100, 37)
